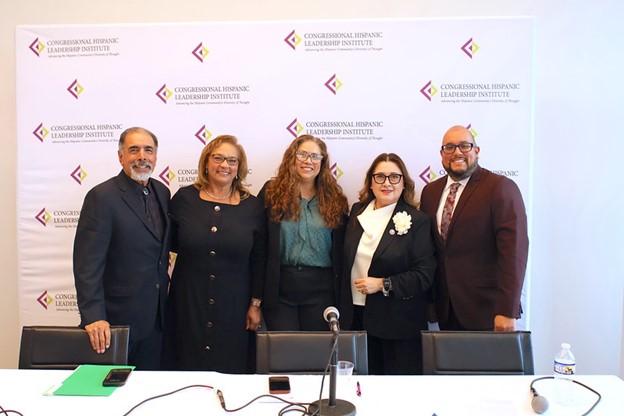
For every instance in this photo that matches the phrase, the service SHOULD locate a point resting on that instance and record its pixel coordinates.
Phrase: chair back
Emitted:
(308, 352)
(477, 352)
(67, 347)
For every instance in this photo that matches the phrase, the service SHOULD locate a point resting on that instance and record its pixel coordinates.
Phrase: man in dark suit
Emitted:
(481, 239)
(121, 253)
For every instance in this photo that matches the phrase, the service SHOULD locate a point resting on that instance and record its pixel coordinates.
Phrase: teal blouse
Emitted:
(306, 241)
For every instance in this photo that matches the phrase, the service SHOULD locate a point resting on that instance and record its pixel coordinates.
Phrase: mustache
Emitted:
(142, 164)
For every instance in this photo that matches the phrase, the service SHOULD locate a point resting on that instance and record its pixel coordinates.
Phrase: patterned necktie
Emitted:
(447, 212)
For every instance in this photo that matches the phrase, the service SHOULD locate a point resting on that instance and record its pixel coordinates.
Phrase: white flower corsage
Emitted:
(402, 222)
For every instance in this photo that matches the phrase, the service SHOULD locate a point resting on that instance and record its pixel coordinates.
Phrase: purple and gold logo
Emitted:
(203, 134)
(295, 128)
(427, 175)
(336, 171)
(75, 89)
(429, 90)
(333, 84)
(78, 175)
(164, 94)
(292, 40)
(470, 48)
(200, 52)
(45, 299)
(43, 217)
(40, 132)
(472, 131)
(37, 47)
(167, 176)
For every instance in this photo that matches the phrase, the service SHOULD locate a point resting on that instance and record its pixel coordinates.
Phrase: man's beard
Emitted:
(141, 177)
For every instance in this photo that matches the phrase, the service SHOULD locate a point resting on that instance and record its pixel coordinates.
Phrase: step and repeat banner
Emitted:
(365, 87)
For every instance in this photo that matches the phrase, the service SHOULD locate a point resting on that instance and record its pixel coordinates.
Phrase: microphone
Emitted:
(331, 315)
(538, 403)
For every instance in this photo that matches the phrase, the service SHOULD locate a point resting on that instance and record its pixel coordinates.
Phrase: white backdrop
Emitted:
(363, 86)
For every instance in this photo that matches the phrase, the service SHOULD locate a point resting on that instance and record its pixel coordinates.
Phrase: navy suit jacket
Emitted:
(120, 266)
(410, 263)
(482, 265)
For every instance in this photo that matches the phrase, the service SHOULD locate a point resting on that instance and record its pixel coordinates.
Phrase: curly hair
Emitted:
(366, 193)
(282, 193)
(203, 180)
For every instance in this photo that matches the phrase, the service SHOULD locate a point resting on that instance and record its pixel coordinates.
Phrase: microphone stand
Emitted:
(333, 406)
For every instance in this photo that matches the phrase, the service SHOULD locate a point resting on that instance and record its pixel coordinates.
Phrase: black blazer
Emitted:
(120, 266)
(409, 262)
(272, 277)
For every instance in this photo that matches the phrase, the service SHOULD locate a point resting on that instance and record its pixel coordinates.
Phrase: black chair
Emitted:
(308, 352)
(477, 352)
(67, 347)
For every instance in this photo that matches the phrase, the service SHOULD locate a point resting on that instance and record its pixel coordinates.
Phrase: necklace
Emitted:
(218, 198)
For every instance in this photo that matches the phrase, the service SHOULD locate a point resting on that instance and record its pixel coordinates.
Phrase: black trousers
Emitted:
(304, 294)
(390, 356)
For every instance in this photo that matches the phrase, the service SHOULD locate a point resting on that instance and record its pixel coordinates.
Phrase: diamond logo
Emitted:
(167, 176)
(40, 132)
(336, 171)
(333, 84)
(292, 40)
(203, 134)
(470, 48)
(37, 47)
(429, 90)
(472, 131)
(295, 128)
(78, 175)
(75, 89)
(43, 217)
(200, 52)
(164, 94)
(45, 299)
(427, 175)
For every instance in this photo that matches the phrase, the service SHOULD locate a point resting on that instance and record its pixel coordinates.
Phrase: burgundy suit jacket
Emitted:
(482, 265)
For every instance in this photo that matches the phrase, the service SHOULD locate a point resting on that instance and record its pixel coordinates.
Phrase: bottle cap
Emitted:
(565, 346)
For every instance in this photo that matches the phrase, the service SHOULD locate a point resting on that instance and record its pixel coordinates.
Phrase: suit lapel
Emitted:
(388, 236)
(472, 184)
(134, 202)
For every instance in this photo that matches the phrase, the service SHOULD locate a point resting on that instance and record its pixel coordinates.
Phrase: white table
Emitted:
(388, 396)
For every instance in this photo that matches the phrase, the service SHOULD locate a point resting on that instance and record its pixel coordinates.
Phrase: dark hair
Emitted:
(366, 193)
(122, 137)
(238, 183)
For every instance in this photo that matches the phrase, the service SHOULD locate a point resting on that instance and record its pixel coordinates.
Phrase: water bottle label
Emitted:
(565, 368)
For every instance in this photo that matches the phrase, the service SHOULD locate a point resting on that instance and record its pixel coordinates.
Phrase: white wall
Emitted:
(576, 294)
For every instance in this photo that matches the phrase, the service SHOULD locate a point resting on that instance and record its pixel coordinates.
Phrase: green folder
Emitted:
(86, 380)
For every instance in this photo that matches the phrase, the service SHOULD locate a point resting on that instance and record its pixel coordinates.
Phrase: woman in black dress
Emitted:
(216, 288)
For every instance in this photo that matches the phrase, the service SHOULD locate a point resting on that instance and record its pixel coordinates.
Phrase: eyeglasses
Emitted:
(463, 147)
(380, 178)
(303, 156)
(218, 159)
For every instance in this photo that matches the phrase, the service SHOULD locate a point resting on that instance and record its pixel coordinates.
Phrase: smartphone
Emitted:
(117, 377)
(279, 385)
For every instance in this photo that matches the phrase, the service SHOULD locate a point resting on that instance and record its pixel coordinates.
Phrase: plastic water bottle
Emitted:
(565, 367)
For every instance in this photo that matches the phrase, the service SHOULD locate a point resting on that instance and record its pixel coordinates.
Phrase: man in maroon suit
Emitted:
(481, 237)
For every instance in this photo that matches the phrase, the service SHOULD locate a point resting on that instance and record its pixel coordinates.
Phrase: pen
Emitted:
(358, 390)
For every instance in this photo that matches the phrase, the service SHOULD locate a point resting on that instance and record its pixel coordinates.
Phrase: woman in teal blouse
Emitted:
(306, 215)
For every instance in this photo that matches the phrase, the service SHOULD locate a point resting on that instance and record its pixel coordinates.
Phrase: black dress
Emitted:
(219, 268)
